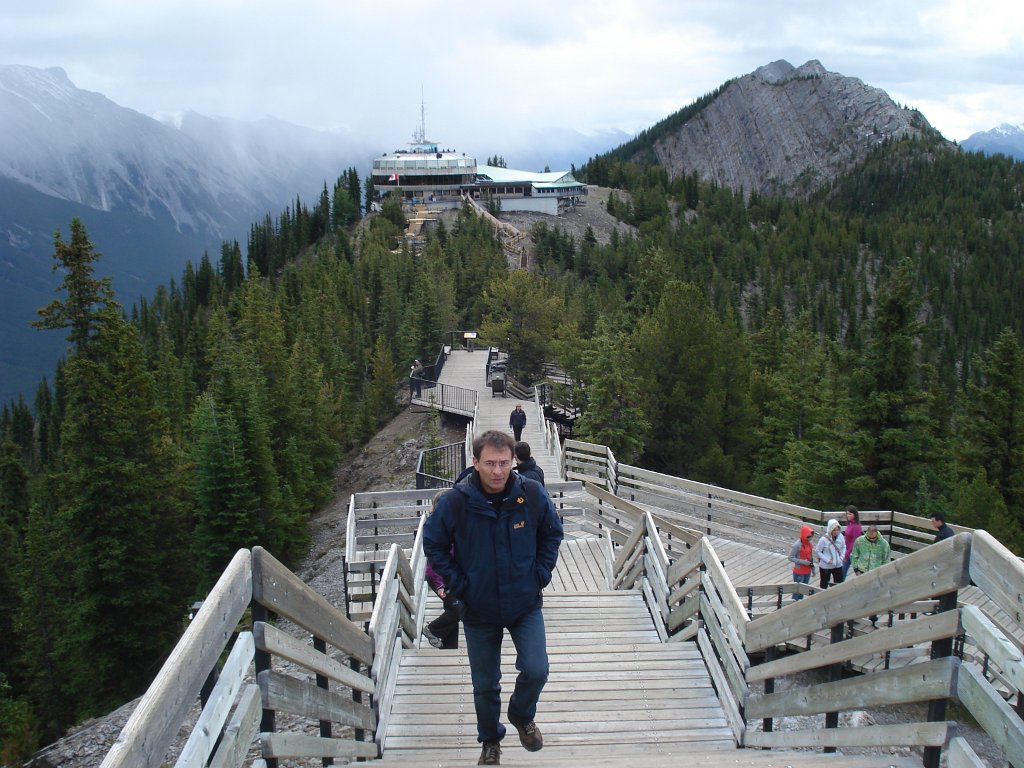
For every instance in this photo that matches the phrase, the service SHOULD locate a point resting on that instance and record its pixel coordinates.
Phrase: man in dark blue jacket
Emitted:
(505, 535)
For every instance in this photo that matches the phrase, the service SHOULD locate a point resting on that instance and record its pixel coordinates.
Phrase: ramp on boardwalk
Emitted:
(614, 688)
(468, 371)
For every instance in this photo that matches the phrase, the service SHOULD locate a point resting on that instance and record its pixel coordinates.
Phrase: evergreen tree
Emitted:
(523, 316)
(85, 293)
(129, 566)
(380, 395)
(992, 425)
(613, 415)
(892, 413)
(14, 506)
(227, 507)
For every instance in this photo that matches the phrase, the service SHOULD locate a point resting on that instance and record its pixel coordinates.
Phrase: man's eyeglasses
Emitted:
(490, 466)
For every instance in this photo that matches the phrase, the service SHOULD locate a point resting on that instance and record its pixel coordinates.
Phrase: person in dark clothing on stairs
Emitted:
(517, 420)
(526, 465)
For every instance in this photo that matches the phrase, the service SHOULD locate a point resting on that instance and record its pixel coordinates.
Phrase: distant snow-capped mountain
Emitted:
(152, 194)
(212, 176)
(1004, 139)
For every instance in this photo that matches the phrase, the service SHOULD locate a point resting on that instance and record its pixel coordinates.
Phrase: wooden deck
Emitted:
(615, 691)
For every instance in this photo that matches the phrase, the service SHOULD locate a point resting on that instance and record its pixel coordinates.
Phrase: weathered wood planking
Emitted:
(658, 756)
(277, 588)
(924, 734)
(271, 639)
(935, 679)
(145, 737)
(939, 569)
(995, 715)
(297, 745)
(240, 731)
(608, 687)
(284, 693)
(201, 742)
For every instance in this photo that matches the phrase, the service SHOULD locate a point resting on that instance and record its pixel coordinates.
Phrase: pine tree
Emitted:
(380, 395)
(129, 572)
(893, 415)
(14, 506)
(613, 416)
(85, 293)
(992, 425)
(227, 507)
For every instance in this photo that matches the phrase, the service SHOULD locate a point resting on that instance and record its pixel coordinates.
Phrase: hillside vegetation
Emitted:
(859, 347)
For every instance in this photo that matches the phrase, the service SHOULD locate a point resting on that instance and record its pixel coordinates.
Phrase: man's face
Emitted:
(936, 523)
(493, 466)
(872, 535)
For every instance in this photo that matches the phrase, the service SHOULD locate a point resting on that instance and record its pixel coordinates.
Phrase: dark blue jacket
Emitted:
(530, 470)
(502, 558)
(517, 418)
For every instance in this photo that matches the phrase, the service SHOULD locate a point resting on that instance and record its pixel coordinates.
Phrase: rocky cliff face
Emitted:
(786, 130)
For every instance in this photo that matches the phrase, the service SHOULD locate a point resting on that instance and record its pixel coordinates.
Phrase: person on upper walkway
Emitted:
(830, 553)
(870, 551)
(851, 533)
(801, 555)
(517, 420)
(416, 373)
(526, 465)
(942, 531)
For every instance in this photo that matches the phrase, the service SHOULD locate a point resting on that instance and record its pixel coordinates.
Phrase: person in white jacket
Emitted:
(830, 553)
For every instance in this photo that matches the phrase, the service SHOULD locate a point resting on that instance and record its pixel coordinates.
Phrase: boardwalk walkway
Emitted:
(616, 695)
(468, 370)
(612, 691)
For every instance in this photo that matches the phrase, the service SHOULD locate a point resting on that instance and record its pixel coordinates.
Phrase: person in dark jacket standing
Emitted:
(526, 465)
(517, 420)
(942, 531)
(505, 535)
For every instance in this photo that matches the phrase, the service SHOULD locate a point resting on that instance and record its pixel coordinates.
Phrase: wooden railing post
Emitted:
(767, 723)
(261, 663)
(937, 707)
(835, 673)
(319, 644)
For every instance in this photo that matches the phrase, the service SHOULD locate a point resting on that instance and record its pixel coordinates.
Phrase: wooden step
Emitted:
(653, 756)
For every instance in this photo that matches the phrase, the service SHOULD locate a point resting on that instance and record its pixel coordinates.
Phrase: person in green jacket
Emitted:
(870, 551)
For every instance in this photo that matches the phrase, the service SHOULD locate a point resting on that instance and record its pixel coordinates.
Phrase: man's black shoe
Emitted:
(490, 754)
(530, 736)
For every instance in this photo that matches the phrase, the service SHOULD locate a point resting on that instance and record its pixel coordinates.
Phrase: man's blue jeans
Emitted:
(483, 643)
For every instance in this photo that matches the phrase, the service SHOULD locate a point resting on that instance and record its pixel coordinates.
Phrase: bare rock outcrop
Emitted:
(786, 130)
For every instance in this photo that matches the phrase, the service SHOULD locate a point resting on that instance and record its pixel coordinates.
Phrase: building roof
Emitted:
(513, 176)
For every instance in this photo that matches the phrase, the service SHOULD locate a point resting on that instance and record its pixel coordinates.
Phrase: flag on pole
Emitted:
(393, 177)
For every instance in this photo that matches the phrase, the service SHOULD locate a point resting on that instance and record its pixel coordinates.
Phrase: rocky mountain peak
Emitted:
(786, 130)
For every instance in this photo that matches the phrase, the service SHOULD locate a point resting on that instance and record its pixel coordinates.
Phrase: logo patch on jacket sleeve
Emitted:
(520, 525)
(520, 500)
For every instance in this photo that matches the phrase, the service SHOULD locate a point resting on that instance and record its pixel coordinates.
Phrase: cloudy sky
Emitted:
(490, 72)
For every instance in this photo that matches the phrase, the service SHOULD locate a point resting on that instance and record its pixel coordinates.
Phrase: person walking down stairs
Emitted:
(517, 421)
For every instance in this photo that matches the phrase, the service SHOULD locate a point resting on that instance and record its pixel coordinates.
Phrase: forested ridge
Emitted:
(861, 347)
(206, 419)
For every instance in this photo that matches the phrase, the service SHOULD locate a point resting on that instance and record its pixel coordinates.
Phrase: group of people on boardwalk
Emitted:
(837, 551)
(841, 549)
